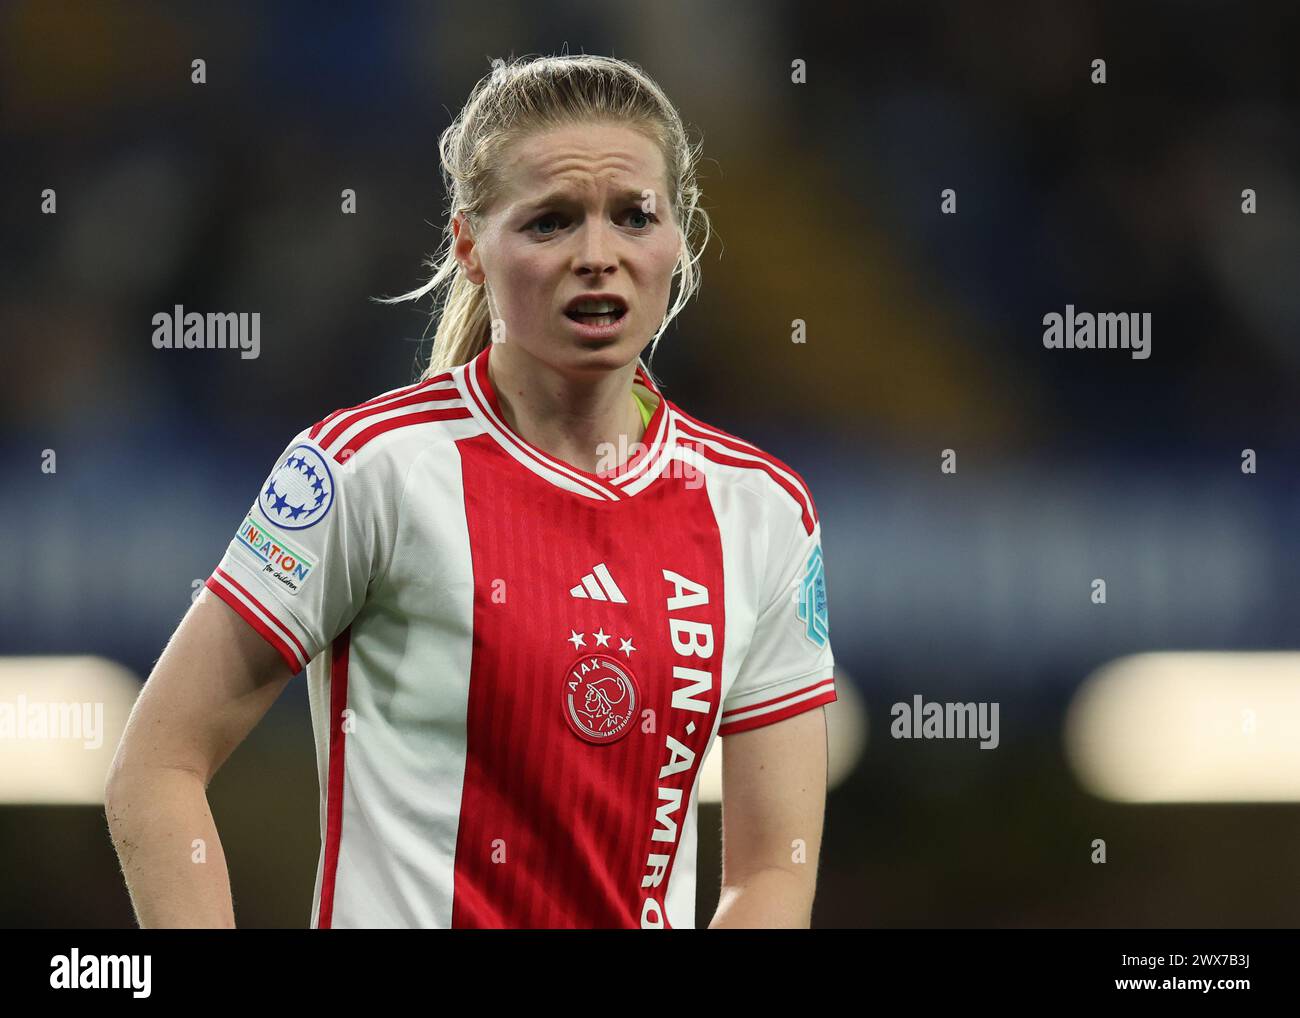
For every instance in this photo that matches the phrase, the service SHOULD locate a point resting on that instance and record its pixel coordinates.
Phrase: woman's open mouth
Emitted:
(597, 317)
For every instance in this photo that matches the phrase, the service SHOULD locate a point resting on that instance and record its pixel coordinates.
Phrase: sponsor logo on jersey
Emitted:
(279, 561)
(812, 600)
(599, 585)
(299, 491)
(600, 698)
(693, 699)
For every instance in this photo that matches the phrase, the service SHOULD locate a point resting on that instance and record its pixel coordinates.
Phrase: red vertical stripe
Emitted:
(334, 798)
(555, 831)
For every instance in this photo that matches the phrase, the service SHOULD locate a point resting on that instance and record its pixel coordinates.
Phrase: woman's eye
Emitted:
(551, 223)
(537, 224)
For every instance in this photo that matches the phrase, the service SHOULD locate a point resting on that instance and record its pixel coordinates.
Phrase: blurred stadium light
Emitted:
(61, 719)
(1189, 727)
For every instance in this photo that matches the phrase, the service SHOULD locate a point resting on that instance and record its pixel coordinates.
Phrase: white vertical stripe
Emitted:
(679, 897)
(615, 595)
(408, 689)
(741, 570)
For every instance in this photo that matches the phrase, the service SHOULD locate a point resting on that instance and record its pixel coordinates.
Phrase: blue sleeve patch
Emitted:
(812, 600)
(300, 490)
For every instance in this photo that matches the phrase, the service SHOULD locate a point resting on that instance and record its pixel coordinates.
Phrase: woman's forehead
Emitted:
(580, 158)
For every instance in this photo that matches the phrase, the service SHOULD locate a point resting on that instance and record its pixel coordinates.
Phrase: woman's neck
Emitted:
(591, 422)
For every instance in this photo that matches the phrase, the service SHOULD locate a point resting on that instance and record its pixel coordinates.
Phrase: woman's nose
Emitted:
(597, 250)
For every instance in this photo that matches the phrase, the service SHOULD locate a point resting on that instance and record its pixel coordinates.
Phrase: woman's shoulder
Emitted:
(745, 462)
(393, 426)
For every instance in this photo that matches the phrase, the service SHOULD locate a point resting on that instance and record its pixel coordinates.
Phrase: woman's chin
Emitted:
(609, 352)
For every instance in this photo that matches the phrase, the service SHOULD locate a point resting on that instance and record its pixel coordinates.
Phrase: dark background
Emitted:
(924, 333)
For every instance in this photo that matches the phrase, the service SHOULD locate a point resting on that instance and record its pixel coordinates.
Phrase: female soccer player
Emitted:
(528, 590)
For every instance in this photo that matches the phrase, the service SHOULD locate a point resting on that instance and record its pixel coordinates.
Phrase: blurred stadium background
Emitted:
(924, 333)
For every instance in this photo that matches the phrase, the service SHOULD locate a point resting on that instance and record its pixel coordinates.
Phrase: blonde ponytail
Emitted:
(464, 327)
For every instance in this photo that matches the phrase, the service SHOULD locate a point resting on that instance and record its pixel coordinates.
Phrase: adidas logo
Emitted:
(599, 586)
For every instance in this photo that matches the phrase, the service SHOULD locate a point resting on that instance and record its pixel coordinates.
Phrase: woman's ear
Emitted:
(465, 249)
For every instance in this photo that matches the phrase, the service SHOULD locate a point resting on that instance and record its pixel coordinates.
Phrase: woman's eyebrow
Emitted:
(630, 194)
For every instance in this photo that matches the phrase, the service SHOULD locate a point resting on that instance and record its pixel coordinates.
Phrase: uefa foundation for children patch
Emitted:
(286, 565)
(812, 600)
(299, 491)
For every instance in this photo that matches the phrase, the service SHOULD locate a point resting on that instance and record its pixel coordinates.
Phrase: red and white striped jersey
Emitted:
(516, 667)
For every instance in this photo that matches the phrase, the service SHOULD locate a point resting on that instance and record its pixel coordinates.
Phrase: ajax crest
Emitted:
(300, 490)
(600, 698)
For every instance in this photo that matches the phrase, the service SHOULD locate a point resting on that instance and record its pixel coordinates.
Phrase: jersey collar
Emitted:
(645, 462)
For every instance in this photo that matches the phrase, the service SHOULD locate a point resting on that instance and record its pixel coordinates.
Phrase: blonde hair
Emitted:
(516, 99)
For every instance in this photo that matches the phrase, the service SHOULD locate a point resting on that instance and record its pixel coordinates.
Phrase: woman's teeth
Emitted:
(596, 318)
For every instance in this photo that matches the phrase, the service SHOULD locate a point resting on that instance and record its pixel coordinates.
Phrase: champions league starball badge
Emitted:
(300, 490)
(600, 698)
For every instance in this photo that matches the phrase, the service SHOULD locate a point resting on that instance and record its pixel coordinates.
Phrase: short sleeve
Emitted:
(302, 559)
(788, 667)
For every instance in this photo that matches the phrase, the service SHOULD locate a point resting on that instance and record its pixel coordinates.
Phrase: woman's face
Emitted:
(571, 219)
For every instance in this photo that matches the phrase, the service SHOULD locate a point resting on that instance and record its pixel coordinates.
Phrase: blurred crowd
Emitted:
(923, 328)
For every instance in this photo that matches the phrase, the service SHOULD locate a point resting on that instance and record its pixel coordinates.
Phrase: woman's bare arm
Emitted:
(214, 682)
(773, 810)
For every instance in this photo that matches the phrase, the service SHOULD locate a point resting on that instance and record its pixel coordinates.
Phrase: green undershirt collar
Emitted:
(646, 412)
